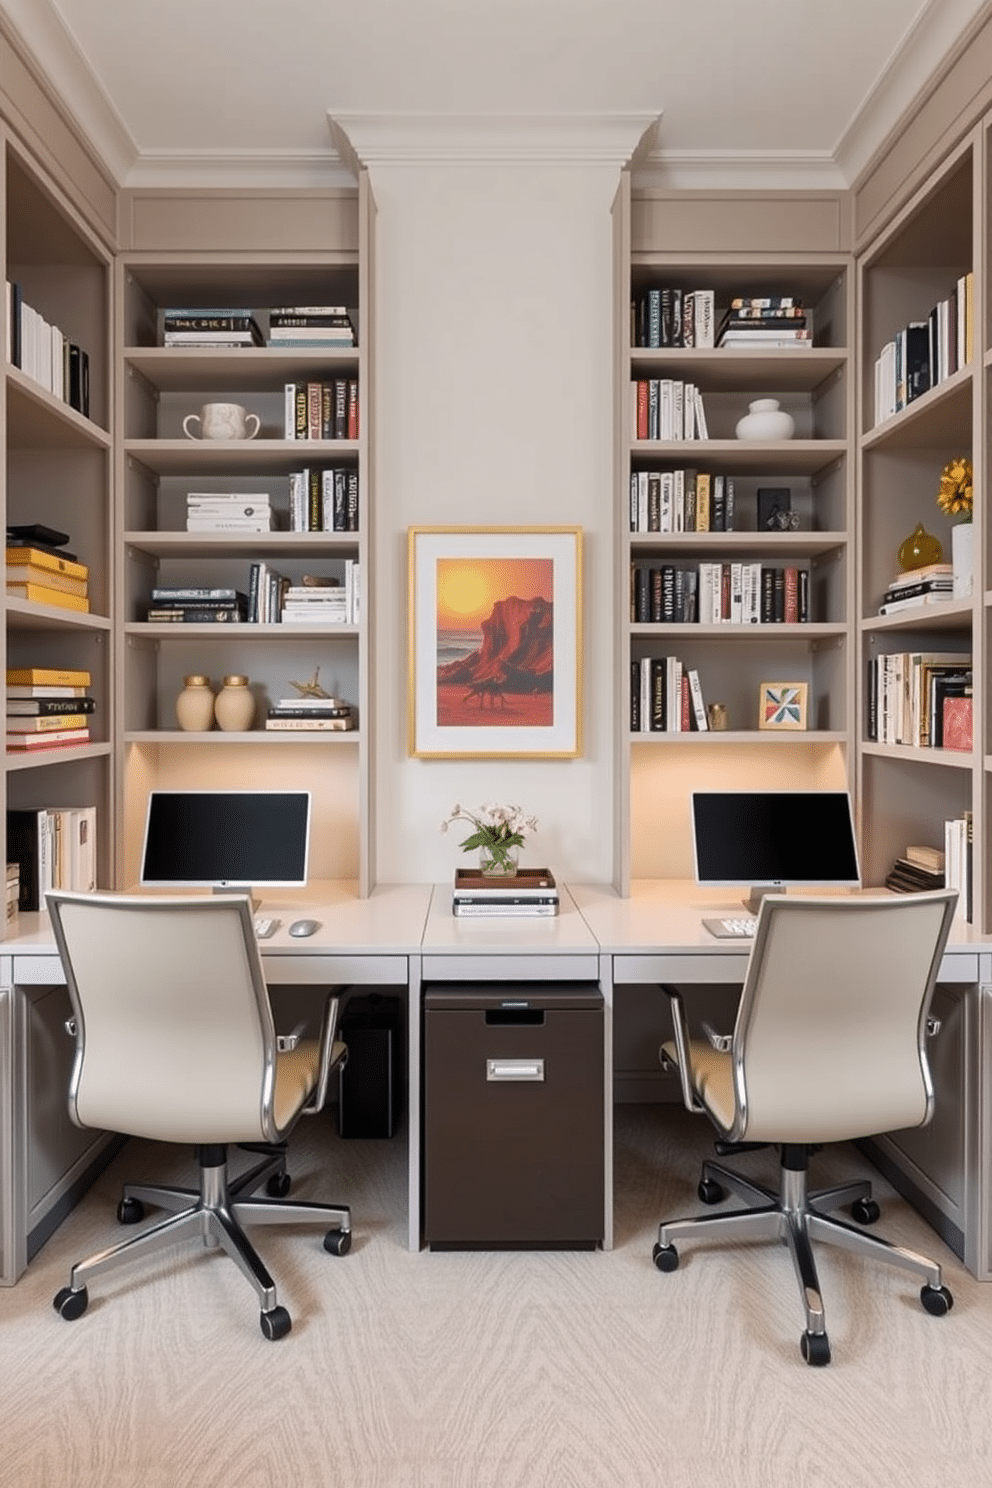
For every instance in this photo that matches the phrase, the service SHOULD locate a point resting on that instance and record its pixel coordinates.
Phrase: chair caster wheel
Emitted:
(337, 1242)
(277, 1187)
(665, 1257)
(937, 1300)
(709, 1191)
(865, 1211)
(815, 1348)
(275, 1323)
(71, 1304)
(130, 1211)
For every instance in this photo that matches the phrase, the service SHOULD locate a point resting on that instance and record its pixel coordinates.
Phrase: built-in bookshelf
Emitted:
(57, 472)
(730, 649)
(909, 789)
(160, 466)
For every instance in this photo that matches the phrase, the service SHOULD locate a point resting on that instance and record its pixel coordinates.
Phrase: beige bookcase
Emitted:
(217, 250)
(749, 245)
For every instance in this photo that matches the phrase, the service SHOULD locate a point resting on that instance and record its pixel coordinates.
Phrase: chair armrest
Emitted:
(680, 1027)
(332, 1056)
(933, 1027)
(287, 1041)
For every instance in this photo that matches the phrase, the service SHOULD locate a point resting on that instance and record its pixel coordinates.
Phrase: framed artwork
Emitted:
(782, 705)
(495, 633)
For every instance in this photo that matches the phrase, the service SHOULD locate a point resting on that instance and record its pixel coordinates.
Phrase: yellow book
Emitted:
(51, 562)
(35, 723)
(41, 594)
(47, 676)
(29, 573)
(702, 502)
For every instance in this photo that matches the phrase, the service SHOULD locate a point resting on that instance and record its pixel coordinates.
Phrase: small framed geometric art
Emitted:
(782, 705)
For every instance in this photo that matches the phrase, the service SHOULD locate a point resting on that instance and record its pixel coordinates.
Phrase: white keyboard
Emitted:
(264, 928)
(737, 927)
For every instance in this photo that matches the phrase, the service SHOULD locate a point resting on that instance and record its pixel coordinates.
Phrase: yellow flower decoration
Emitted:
(954, 494)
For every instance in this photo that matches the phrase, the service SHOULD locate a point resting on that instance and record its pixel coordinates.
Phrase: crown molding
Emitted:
(238, 168)
(36, 30)
(942, 31)
(743, 170)
(489, 139)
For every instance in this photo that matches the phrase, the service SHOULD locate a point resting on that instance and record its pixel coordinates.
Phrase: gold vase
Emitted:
(919, 549)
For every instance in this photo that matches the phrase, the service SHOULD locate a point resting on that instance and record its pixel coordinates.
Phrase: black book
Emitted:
(24, 849)
(14, 322)
(79, 379)
(195, 614)
(918, 377)
(657, 721)
(44, 707)
(642, 596)
(635, 697)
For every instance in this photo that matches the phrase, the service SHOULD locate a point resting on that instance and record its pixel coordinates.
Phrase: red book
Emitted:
(352, 417)
(685, 722)
(957, 723)
(641, 410)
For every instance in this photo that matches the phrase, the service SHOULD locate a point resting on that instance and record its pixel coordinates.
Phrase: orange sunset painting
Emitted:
(495, 642)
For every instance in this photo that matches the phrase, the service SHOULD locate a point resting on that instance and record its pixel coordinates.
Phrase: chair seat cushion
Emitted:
(297, 1071)
(711, 1075)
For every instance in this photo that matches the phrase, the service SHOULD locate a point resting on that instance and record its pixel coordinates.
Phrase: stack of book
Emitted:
(310, 325)
(932, 584)
(228, 511)
(919, 869)
(310, 714)
(222, 325)
(770, 322)
(197, 606)
(44, 353)
(665, 408)
(681, 501)
(666, 315)
(530, 892)
(47, 708)
(666, 697)
(46, 575)
(908, 695)
(925, 352)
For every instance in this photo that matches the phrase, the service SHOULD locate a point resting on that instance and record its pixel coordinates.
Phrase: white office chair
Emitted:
(175, 1041)
(829, 1045)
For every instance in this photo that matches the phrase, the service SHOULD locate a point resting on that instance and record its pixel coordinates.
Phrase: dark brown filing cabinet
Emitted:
(513, 1116)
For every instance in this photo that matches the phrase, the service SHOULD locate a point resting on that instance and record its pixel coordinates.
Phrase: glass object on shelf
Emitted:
(716, 715)
(919, 549)
(234, 706)
(765, 419)
(195, 705)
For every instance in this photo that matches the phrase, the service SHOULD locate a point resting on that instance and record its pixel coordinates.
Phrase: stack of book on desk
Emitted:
(530, 892)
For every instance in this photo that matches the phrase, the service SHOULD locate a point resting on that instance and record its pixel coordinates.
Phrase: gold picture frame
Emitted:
(782, 706)
(495, 642)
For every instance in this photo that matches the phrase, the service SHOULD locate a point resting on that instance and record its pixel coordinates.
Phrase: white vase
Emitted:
(765, 420)
(234, 708)
(963, 559)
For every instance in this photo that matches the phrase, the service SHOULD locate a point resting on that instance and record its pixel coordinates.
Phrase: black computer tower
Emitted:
(370, 1093)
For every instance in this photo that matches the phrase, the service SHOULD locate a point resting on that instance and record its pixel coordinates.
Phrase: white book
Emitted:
(289, 410)
(696, 698)
(702, 431)
(226, 524)
(666, 520)
(673, 695)
(645, 694)
(635, 515)
(736, 596)
(704, 314)
(665, 414)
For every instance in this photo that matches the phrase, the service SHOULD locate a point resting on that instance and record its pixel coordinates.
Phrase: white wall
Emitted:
(493, 405)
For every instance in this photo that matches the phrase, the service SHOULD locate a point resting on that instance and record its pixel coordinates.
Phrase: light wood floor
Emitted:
(516, 1369)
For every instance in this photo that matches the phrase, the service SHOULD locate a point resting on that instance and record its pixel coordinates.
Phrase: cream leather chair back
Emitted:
(831, 1028)
(174, 1017)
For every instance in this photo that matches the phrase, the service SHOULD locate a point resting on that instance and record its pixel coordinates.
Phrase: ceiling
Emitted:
(789, 92)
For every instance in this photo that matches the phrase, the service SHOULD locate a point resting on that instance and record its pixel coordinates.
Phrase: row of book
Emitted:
(920, 698)
(321, 410)
(530, 892)
(666, 315)
(320, 500)
(271, 598)
(54, 847)
(925, 352)
(44, 576)
(666, 408)
(310, 326)
(681, 501)
(666, 697)
(44, 353)
(922, 868)
(47, 708)
(733, 593)
(310, 715)
(915, 587)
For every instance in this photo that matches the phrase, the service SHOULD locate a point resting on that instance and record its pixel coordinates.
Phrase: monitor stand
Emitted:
(256, 903)
(753, 901)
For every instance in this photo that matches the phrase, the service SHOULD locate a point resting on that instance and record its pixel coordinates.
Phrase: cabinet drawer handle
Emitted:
(514, 1069)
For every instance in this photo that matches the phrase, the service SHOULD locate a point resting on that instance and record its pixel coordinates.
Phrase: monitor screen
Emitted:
(226, 839)
(771, 838)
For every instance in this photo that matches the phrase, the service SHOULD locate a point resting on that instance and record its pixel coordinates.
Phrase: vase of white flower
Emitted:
(498, 835)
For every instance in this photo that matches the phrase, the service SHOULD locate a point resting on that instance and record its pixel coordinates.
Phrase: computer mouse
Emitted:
(304, 927)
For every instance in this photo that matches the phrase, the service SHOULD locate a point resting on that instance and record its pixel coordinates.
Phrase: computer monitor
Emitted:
(226, 839)
(771, 839)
